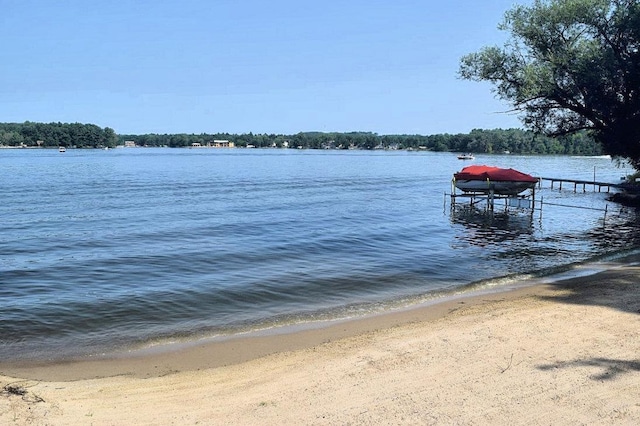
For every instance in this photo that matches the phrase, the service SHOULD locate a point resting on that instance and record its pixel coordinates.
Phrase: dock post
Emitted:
(533, 199)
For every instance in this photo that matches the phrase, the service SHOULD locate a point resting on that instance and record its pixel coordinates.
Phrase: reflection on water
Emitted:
(619, 231)
(485, 227)
(521, 240)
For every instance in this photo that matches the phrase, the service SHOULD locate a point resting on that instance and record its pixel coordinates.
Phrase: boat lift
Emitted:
(525, 202)
(521, 202)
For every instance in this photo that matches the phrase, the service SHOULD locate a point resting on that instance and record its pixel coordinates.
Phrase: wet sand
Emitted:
(565, 352)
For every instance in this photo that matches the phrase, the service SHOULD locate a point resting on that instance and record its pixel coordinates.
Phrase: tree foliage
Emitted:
(570, 65)
(29, 134)
(496, 141)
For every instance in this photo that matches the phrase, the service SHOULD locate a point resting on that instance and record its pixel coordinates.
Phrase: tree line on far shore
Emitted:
(498, 141)
(46, 135)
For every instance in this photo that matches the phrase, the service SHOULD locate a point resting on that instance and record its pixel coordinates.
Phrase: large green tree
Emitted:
(570, 65)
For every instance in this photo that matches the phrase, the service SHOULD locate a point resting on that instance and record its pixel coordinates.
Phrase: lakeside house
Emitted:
(223, 144)
(214, 144)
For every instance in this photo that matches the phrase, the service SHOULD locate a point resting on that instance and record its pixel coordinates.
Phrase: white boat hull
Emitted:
(466, 157)
(497, 187)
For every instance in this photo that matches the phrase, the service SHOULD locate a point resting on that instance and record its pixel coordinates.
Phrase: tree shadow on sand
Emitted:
(610, 368)
(617, 288)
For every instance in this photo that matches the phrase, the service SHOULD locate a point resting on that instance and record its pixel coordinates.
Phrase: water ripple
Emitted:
(103, 250)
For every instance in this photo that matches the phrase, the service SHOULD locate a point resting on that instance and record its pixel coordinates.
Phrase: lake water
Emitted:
(109, 250)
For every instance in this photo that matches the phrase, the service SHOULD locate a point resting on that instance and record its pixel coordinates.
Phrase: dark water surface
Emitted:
(105, 250)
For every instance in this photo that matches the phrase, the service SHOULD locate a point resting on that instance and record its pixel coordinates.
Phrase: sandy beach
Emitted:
(565, 352)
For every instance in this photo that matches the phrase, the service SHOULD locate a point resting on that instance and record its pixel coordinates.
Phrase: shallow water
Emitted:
(104, 250)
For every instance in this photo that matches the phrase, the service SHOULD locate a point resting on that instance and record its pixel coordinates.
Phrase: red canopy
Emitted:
(493, 173)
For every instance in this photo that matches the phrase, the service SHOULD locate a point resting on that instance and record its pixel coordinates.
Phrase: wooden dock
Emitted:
(576, 183)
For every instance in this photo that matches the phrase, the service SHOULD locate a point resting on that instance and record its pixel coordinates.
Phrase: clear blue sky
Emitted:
(239, 66)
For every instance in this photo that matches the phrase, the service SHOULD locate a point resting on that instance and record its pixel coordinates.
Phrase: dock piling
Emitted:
(576, 182)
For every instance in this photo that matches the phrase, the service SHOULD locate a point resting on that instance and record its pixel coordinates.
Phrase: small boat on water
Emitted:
(466, 157)
(488, 179)
(62, 149)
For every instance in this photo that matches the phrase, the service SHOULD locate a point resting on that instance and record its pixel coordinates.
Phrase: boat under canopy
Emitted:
(488, 179)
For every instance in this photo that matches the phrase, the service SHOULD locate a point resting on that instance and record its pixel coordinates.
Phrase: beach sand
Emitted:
(565, 352)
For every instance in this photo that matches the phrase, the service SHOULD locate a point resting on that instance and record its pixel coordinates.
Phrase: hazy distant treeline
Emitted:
(478, 141)
(78, 135)
(515, 141)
